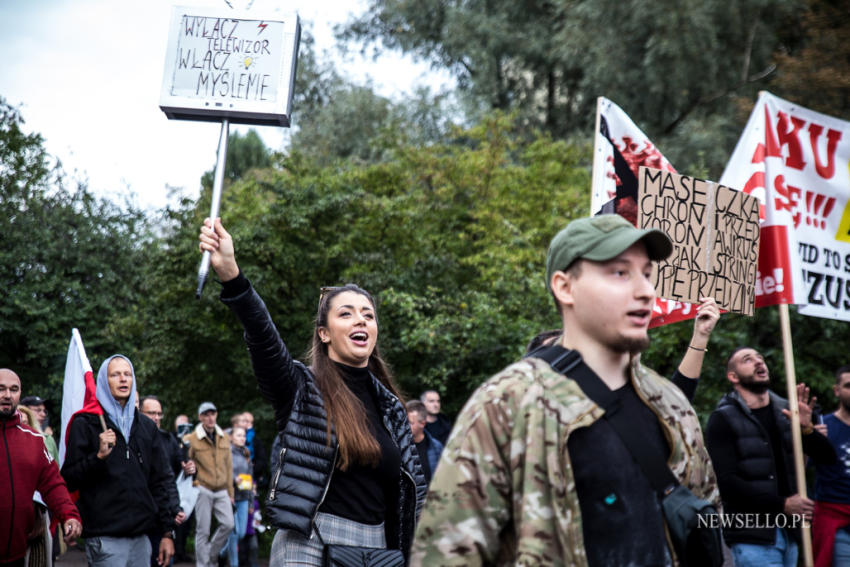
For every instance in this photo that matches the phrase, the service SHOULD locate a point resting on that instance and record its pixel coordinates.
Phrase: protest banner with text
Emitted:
(795, 161)
(236, 65)
(715, 234)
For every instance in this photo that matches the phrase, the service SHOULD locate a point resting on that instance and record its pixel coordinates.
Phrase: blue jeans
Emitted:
(105, 551)
(841, 553)
(781, 554)
(240, 516)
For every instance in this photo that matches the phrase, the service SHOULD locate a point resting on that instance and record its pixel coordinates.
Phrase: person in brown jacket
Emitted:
(209, 457)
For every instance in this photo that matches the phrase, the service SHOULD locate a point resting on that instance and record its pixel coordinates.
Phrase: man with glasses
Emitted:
(151, 407)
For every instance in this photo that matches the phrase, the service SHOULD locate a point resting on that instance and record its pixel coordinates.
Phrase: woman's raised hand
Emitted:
(217, 241)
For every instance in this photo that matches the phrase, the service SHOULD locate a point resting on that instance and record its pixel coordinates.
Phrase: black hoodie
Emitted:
(126, 494)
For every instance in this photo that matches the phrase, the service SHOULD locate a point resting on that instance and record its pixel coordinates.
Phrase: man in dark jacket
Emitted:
(439, 426)
(151, 407)
(749, 440)
(122, 474)
(429, 449)
(30, 467)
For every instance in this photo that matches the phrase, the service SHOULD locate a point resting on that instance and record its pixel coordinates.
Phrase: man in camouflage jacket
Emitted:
(531, 475)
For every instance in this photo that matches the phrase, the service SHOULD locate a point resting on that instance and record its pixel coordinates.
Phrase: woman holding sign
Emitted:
(347, 473)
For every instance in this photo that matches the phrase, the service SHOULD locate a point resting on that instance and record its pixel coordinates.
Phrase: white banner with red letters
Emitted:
(796, 162)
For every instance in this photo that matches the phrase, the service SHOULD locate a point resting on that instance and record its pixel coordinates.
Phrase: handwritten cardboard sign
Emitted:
(228, 64)
(715, 234)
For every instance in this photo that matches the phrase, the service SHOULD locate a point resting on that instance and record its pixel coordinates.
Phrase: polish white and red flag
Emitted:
(78, 394)
(620, 149)
(797, 163)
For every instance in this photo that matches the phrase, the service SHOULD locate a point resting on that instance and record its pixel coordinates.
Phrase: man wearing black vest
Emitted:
(749, 440)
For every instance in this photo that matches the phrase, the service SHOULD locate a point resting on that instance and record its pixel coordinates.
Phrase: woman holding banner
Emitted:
(347, 473)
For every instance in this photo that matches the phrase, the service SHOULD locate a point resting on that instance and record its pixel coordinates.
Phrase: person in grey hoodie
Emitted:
(118, 464)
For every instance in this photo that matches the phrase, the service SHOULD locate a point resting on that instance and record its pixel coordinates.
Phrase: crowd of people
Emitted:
(569, 456)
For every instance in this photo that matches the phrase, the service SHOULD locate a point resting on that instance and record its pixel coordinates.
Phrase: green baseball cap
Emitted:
(601, 238)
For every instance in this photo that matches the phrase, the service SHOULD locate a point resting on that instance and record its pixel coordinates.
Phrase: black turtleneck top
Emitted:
(364, 493)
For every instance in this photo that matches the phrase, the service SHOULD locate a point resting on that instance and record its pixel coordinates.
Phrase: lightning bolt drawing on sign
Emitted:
(262, 26)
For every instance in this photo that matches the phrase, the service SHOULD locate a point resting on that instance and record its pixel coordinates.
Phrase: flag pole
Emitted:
(796, 436)
(597, 173)
(221, 158)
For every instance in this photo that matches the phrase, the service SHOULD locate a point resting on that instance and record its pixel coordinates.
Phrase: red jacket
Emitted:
(26, 466)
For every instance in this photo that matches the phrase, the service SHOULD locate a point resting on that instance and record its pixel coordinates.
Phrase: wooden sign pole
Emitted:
(796, 435)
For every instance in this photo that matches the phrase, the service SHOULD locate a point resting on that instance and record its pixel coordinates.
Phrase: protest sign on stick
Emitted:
(236, 67)
(715, 234)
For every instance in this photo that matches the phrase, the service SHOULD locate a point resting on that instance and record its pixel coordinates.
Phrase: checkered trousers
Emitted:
(292, 549)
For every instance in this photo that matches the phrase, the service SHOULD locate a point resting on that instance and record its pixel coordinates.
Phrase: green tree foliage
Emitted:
(671, 65)
(67, 259)
(816, 72)
(456, 251)
(346, 127)
(244, 153)
(504, 54)
(335, 119)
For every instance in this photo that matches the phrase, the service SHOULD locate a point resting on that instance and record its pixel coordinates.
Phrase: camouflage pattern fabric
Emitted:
(504, 492)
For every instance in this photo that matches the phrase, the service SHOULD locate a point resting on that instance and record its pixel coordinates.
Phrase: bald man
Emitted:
(31, 468)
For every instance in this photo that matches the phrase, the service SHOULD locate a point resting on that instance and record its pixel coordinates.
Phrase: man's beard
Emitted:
(631, 345)
(845, 405)
(748, 383)
(7, 415)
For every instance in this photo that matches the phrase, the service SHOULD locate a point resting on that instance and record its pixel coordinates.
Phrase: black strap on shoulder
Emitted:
(570, 364)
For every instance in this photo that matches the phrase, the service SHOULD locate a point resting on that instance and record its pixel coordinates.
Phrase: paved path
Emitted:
(76, 557)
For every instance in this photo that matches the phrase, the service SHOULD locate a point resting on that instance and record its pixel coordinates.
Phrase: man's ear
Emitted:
(732, 377)
(562, 287)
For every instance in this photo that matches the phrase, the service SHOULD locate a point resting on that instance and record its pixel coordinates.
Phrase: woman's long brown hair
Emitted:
(357, 445)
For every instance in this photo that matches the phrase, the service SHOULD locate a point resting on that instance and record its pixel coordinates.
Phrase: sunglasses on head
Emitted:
(323, 291)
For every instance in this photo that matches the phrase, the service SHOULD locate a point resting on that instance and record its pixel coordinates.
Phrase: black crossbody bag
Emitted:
(697, 544)
(334, 555)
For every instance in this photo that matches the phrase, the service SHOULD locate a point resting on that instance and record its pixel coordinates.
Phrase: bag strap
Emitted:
(570, 364)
